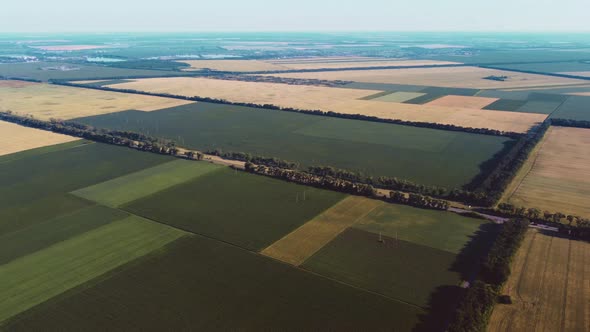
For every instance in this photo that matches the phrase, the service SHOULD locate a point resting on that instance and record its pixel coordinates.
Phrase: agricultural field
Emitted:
(399, 97)
(263, 210)
(340, 100)
(558, 180)
(575, 108)
(548, 286)
(462, 101)
(246, 66)
(199, 282)
(369, 147)
(45, 71)
(44, 101)
(16, 138)
(457, 77)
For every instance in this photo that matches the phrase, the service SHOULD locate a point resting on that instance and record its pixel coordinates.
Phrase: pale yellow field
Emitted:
(17, 138)
(45, 101)
(296, 247)
(577, 73)
(580, 93)
(559, 180)
(304, 63)
(549, 286)
(462, 101)
(338, 100)
(456, 77)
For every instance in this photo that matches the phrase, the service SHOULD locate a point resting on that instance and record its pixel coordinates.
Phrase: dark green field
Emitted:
(398, 269)
(505, 105)
(378, 149)
(43, 71)
(574, 108)
(199, 284)
(243, 209)
(35, 185)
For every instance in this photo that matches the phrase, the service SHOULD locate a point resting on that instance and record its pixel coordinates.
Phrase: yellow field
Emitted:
(549, 285)
(45, 101)
(559, 180)
(17, 138)
(456, 77)
(296, 247)
(462, 101)
(338, 100)
(304, 63)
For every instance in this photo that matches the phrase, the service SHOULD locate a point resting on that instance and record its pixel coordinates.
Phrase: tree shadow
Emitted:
(488, 166)
(444, 299)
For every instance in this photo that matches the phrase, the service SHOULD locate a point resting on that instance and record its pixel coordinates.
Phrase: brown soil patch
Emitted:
(17, 138)
(549, 285)
(462, 101)
(296, 247)
(559, 180)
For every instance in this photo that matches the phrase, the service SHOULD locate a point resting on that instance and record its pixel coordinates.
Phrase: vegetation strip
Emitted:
(38, 277)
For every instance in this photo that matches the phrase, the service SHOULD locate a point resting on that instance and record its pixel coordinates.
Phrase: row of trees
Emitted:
(449, 127)
(116, 137)
(477, 303)
(266, 161)
(570, 123)
(418, 200)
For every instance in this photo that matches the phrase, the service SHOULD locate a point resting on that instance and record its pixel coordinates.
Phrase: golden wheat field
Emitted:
(454, 77)
(45, 101)
(296, 247)
(559, 180)
(17, 138)
(462, 101)
(549, 286)
(338, 100)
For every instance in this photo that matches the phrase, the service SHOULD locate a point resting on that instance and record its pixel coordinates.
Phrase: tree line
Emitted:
(477, 302)
(570, 123)
(362, 117)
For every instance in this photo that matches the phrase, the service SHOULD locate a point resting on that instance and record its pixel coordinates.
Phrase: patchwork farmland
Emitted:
(16, 138)
(376, 149)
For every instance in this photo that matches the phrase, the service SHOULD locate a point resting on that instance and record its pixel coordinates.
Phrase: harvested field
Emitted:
(128, 188)
(17, 138)
(333, 99)
(559, 180)
(304, 64)
(399, 97)
(395, 268)
(233, 65)
(196, 283)
(436, 229)
(462, 101)
(69, 47)
(460, 77)
(549, 286)
(36, 278)
(380, 149)
(45, 101)
(302, 243)
(262, 209)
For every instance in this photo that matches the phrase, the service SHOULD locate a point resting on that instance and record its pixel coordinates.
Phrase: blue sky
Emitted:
(293, 15)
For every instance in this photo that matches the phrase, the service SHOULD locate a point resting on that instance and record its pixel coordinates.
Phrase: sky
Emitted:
(293, 15)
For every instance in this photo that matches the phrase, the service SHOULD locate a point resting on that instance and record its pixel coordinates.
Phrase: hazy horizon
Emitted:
(518, 16)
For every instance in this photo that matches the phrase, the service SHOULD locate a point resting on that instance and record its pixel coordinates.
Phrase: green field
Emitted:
(437, 229)
(42, 235)
(36, 278)
(395, 268)
(543, 107)
(372, 148)
(240, 208)
(128, 188)
(42, 71)
(35, 185)
(199, 284)
(399, 97)
(574, 108)
(505, 105)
